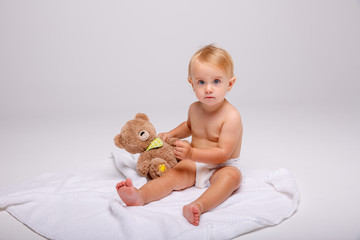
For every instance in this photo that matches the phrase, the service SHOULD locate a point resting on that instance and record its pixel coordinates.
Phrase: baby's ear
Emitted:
(190, 81)
(142, 116)
(231, 83)
(117, 141)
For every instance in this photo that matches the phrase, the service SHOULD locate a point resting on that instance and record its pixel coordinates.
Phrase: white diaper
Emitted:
(205, 171)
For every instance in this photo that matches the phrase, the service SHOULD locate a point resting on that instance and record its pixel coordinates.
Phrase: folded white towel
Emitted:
(84, 204)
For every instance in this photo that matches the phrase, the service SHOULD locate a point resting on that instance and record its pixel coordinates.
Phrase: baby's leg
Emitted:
(180, 177)
(223, 183)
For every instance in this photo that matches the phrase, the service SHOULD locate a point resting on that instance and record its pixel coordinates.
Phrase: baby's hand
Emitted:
(164, 136)
(182, 150)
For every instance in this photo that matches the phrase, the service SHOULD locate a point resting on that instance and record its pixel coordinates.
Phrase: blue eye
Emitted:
(217, 81)
(201, 82)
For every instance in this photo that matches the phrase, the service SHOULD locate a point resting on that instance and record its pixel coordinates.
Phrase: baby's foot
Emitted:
(129, 194)
(192, 213)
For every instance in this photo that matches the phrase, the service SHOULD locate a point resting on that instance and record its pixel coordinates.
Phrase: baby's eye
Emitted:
(201, 82)
(217, 81)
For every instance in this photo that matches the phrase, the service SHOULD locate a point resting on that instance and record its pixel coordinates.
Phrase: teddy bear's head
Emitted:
(136, 135)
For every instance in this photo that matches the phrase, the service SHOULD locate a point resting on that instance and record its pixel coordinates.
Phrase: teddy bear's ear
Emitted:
(142, 116)
(117, 141)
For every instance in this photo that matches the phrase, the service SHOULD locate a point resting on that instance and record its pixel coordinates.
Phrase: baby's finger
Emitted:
(179, 144)
(178, 150)
(177, 156)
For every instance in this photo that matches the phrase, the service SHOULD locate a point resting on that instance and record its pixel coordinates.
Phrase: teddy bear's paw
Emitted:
(158, 167)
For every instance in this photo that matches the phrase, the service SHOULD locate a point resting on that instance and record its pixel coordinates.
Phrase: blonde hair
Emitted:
(215, 56)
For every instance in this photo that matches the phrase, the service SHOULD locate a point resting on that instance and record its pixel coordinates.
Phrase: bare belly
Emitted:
(205, 143)
(202, 143)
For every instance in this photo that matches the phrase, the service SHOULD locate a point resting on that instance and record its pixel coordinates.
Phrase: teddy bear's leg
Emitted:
(158, 167)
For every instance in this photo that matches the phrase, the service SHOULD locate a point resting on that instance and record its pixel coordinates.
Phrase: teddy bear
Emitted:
(139, 136)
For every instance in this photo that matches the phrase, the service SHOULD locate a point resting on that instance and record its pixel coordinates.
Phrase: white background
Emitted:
(72, 73)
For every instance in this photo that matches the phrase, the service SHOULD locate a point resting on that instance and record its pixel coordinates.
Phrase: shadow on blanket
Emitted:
(83, 204)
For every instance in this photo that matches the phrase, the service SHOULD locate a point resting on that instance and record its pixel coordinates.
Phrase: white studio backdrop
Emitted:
(71, 57)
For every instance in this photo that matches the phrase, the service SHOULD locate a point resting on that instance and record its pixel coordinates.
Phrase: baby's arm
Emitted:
(230, 136)
(181, 131)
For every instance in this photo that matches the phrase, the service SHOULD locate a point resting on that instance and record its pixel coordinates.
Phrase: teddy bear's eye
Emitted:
(143, 135)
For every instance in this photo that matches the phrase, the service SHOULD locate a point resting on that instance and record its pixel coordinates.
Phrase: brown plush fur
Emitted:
(135, 136)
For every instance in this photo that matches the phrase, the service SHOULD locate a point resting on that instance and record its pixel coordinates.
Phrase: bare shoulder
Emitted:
(232, 114)
(194, 109)
(194, 106)
(192, 113)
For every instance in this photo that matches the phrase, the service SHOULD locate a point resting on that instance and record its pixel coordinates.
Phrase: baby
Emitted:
(211, 160)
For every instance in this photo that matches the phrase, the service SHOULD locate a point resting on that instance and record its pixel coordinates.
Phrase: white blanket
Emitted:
(84, 204)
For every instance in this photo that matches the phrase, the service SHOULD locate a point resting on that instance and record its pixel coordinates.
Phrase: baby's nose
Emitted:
(209, 88)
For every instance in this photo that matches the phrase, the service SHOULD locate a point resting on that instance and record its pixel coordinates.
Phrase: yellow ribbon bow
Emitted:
(156, 143)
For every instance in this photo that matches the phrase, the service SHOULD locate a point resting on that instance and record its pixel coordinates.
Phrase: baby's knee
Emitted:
(234, 175)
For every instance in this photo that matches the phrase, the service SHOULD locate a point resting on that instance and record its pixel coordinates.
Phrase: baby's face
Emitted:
(209, 82)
